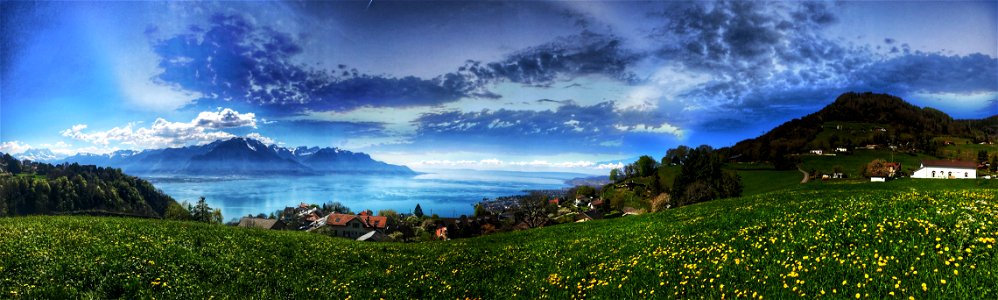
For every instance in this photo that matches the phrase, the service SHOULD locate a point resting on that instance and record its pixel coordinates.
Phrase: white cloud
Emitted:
(60, 148)
(666, 82)
(163, 133)
(14, 147)
(661, 128)
(261, 138)
(135, 69)
(612, 143)
(610, 166)
(225, 118)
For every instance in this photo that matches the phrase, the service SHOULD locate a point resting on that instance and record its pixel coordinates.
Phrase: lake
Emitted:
(447, 193)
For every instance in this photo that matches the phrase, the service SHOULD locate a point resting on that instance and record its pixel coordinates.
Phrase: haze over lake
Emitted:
(445, 192)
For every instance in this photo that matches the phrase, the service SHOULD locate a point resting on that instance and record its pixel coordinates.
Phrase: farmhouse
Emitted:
(943, 169)
(354, 226)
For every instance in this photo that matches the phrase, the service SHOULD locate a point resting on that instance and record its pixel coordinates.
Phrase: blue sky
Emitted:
(494, 85)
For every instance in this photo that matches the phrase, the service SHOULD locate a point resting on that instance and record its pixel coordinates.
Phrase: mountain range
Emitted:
(236, 156)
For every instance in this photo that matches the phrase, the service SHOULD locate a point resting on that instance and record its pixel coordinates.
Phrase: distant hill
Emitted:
(593, 181)
(239, 156)
(859, 119)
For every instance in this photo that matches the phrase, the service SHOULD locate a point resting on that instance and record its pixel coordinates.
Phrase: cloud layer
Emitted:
(205, 128)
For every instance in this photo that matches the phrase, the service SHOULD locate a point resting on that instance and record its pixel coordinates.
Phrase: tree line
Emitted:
(33, 188)
(700, 177)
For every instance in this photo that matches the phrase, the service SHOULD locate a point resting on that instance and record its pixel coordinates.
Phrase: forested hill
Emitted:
(29, 188)
(859, 119)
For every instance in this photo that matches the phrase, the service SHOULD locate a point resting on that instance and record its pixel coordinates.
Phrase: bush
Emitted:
(661, 202)
(175, 211)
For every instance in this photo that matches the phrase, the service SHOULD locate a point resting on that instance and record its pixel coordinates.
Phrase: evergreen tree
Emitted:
(201, 211)
(418, 211)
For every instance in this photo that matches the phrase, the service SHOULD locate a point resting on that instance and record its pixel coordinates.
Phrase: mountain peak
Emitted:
(857, 119)
(240, 155)
(38, 154)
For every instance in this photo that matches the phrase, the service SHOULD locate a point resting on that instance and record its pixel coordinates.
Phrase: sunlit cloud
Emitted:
(14, 147)
(205, 128)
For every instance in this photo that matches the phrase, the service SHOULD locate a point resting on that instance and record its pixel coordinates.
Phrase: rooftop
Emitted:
(950, 164)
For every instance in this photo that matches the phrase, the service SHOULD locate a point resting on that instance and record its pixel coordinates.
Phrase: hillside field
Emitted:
(907, 238)
(853, 163)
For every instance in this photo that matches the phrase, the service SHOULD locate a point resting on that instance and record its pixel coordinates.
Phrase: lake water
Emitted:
(447, 193)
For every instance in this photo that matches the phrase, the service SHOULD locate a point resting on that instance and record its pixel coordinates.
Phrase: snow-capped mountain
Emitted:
(240, 156)
(39, 155)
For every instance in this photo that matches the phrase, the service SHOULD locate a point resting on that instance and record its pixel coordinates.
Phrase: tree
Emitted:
(418, 211)
(336, 207)
(201, 212)
(480, 210)
(533, 209)
(675, 155)
(982, 156)
(175, 211)
(614, 175)
(645, 166)
(585, 191)
(216, 217)
(702, 178)
(876, 168)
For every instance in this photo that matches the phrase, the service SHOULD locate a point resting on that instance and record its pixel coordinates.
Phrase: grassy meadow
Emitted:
(906, 239)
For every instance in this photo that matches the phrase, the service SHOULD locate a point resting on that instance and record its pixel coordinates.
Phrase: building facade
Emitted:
(946, 169)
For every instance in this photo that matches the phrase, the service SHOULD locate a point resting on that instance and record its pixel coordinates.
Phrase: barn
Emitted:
(946, 169)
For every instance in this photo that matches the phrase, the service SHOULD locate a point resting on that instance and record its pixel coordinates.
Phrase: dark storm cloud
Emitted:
(235, 60)
(927, 72)
(578, 55)
(743, 42)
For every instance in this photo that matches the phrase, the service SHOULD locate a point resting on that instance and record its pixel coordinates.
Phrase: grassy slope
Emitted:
(756, 182)
(851, 163)
(836, 239)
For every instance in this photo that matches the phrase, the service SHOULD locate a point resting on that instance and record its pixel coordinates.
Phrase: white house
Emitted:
(817, 151)
(942, 169)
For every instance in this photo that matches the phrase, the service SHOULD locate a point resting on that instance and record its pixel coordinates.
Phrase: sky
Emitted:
(521, 85)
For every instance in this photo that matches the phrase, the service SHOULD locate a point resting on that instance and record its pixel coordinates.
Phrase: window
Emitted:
(950, 174)
(933, 173)
(966, 174)
(355, 225)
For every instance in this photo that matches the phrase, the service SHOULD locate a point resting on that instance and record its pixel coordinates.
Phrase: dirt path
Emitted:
(806, 177)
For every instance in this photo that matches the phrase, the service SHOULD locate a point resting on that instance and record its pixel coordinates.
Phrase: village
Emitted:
(521, 212)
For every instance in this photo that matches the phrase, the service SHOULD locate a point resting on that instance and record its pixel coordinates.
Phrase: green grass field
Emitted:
(907, 238)
(756, 182)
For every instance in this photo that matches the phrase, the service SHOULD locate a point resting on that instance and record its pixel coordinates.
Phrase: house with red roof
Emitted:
(354, 226)
(946, 169)
(441, 233)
